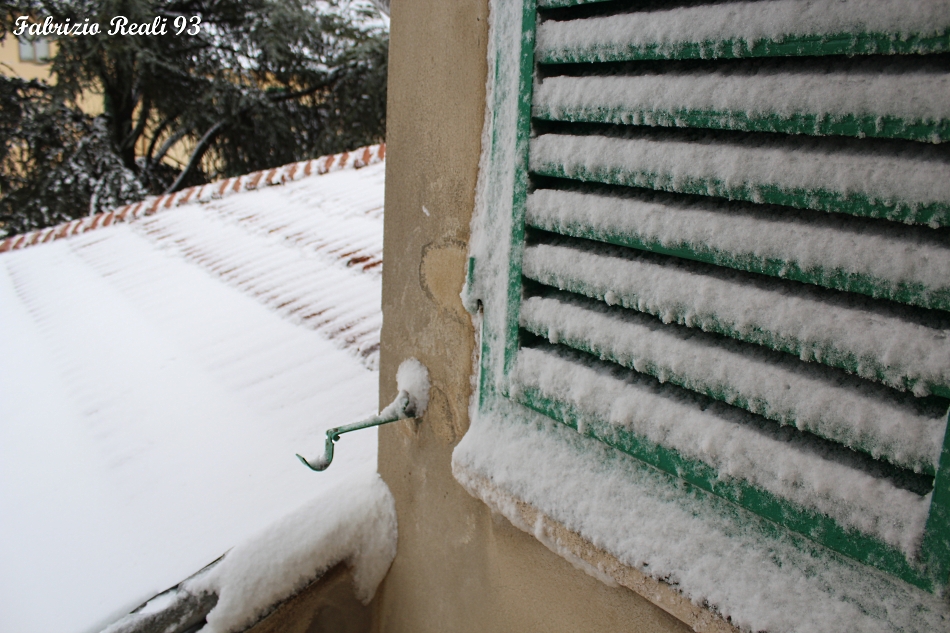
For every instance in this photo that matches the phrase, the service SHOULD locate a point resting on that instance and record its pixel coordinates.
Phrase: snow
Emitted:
(722, 26)
(831, 404)
(412, 377)
(353, 521)
(718, 555)
(860, 89)
(789, 466)
(154, 396)
(885, 345)
(817, 243)
(713, 552)
(896, 177)
(158, 604)
(312, 250)
(491, 245)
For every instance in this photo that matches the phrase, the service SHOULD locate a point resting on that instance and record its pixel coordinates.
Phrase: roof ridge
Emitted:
(355, 159)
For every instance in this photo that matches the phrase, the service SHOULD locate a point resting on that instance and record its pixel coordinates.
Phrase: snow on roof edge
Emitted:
(356, 159)
(352, 523)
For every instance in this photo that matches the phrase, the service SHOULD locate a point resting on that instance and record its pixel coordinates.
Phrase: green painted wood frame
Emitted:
(931, 569)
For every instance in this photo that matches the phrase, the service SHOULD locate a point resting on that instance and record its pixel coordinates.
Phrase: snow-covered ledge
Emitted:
(588, 557)
(613, 516)
(353, 523)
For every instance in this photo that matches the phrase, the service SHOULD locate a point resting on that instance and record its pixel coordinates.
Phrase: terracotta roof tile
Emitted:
(202, 193)
(254, 179)
(289, 174)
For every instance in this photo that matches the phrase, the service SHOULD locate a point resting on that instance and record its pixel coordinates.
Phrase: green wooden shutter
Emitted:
(730, 226)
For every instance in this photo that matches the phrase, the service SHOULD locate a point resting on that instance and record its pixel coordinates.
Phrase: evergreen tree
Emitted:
(56, 162)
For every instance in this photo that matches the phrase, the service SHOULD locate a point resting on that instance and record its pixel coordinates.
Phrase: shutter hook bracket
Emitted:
(398, 409)
(411, 401)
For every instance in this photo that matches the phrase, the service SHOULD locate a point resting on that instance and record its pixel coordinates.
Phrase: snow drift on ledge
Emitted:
(352, 523)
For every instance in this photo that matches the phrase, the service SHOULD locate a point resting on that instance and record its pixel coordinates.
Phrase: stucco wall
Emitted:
(458, 568)
(11, 66)
(327, 605)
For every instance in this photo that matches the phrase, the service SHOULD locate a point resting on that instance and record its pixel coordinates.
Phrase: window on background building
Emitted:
(34, 50)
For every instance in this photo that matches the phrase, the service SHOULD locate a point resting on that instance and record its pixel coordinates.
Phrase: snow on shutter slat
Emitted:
(889, 180)
(721, 450)
(862, 415)
(897, 262)
(885, 343)
(738, 270)
(890, 99)
(751, 29)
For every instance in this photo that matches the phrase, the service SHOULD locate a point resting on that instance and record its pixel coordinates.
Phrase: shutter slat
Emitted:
(863, 416)
(557, 4)
(868, 101)
(906, 183)
(878, 344)
(896, 262)
(751, 29)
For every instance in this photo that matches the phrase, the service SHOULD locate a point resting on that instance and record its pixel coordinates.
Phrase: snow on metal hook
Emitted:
(412, 379)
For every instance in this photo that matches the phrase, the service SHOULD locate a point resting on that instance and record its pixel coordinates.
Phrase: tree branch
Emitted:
(136, 132)
(196, 155)
(167, 145)
(155, 136)
(287, 96)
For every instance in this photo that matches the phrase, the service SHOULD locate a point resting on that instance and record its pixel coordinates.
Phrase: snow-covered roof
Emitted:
(160, 369)
(356, 159)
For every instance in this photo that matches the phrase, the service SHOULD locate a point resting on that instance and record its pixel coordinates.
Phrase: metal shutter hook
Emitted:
(398, 409)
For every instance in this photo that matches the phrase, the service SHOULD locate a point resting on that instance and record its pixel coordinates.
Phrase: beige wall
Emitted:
(327, 605)
(457, 568)
(10, 64)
